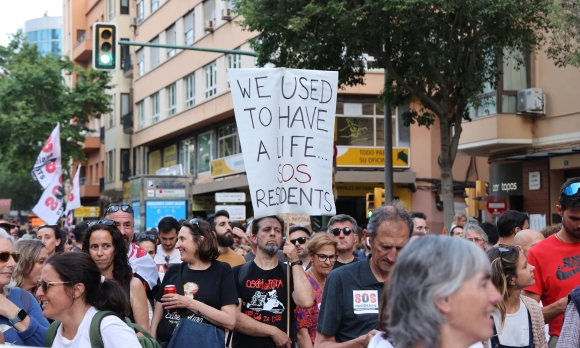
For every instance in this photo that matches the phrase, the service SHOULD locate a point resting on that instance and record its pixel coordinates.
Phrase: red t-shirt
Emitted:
(557, 273)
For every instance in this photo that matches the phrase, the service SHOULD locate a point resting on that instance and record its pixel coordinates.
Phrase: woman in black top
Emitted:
(209, 291)
(105, 244)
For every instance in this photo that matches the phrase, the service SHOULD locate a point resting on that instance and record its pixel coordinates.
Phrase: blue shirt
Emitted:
(34, 334)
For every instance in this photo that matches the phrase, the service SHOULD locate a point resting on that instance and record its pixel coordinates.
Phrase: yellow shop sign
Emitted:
(227, 166)
(348, 156)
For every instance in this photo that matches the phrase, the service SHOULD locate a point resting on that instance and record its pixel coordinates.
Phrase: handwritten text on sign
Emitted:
(285, 120)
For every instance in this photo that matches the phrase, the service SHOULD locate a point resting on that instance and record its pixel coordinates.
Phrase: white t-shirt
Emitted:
(379, 342)
(516, 328)
(113, 332)
(174, 257)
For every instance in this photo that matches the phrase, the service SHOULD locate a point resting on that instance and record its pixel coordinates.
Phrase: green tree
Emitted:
(565, 37)
(21, 188)
(34, 98)
(440, 53)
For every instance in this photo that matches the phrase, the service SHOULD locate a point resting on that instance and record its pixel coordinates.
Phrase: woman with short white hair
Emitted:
(440, 295)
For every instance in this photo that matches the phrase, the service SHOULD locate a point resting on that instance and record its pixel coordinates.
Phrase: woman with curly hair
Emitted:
(105, 244)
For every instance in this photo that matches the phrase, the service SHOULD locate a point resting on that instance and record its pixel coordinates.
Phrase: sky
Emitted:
(13, 14)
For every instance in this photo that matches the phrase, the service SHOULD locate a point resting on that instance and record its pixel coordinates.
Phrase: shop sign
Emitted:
(227, 166)
(370, 157)
(237, 212)
(87, 212)
(506, 179)
(202, 203)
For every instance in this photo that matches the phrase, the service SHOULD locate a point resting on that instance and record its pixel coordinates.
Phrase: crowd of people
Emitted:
(217, 283)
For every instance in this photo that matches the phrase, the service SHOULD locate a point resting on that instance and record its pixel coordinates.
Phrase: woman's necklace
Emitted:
(320, 283)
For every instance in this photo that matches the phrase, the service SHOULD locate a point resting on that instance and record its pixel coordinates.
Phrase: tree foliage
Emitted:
(34, 98)
(440, 53)
(565, 38)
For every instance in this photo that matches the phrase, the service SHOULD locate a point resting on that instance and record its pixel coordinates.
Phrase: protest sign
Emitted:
(285, 120)
(48, 162)
(50, 206)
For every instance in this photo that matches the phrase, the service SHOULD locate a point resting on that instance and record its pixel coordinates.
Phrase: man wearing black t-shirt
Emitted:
(263, 290)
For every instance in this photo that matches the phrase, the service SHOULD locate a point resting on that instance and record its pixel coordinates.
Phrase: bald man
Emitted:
(527, 239)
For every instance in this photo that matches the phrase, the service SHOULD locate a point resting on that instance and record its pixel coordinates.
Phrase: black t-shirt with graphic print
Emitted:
(213, 286)
(264, 298)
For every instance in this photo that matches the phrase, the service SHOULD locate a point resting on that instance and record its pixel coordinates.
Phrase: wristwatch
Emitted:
(299, 262)
(19, 317)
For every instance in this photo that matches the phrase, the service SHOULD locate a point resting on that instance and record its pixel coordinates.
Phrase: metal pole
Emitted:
(388, 137)
(193, 48)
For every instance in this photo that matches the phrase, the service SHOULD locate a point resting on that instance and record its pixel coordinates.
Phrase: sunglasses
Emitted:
(336, 231)
(300, 240)
(195, 222)
(115, 208)
(323, 258)
(102, 222)
(144, 236)
(54, 227)
(572, 189)
(45, 285)
(5, 256)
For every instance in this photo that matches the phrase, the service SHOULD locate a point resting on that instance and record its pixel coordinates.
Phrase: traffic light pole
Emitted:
(388, 143)
(191, 48)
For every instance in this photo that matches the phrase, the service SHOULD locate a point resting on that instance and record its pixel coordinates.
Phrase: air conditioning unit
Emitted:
(208, 26)
(134, 21)
(226, 14)
(531, 101)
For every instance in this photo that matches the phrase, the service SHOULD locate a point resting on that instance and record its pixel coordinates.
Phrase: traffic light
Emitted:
(379, 196)
(370, 204)
(480, 191)
(471, 203)
(104, 46)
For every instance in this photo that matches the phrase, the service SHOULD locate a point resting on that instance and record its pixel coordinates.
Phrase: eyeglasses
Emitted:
(195, 222)
(45, 285)
(323, 258)
(7, 226)
(102, 222)
(5, 256)
(300, 240)
(476, 240)
(145, 236)
(115, 208)
(336, 231)
(572, 189)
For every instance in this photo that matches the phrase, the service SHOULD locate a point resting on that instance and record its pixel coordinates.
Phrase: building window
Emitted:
(111, 4)
(228, 142)
(209, 11)
(514, 77)
(155, 108)
(125, 165)
(140, 115)
(140, 11)
(110, 164)
(210, 80)
(140, 63)
(187, 155)
(125, 52)
(362, 124)
(154, 5)
(234, 61)
(125, 105)
(154, 54)
(189, 28)
(204, 152)
(170, 32)
(112, 113)
(171, 100)
(190, 91)
(125, 7)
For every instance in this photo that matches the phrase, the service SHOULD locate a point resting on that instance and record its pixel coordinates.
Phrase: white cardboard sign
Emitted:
(285, 120)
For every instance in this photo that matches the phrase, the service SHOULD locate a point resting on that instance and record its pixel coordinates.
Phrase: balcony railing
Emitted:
(88, 180)
(127, 121)
(125, 174)
(81, 39)
(102, 135)
(127, 66)
(101, 184)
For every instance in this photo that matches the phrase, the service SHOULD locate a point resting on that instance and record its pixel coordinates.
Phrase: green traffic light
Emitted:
(106, 59)
(370, 214)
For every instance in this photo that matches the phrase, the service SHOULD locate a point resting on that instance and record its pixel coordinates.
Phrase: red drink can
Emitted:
(169, 289)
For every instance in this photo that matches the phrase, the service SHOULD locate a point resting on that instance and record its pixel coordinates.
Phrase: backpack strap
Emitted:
(95, 329)
(51, 333)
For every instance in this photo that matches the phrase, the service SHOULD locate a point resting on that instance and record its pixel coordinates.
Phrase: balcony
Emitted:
(127, 66)
(92, 143)
(484, 135)
(127, 121)
(101, 184)
(83, 50)
(102, 135)
(89, 187)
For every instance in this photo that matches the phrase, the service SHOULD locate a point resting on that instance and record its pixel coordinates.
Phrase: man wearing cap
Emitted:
(299, 237)
(343, 227)
(143, 265)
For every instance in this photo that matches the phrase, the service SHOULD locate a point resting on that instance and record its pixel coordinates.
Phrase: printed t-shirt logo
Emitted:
(571, 266)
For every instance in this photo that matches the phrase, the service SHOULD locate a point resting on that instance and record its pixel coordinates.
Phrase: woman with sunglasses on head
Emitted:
(73, 295)
(21, 319)
(148, 242)
(518, 320)
(33, 255)
(205, 287)
(322, 252)
(104, 243)
(51, 236)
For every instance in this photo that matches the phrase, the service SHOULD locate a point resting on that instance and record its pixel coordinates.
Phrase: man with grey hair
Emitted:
(343, 229)
(350, 301)
(475, 234)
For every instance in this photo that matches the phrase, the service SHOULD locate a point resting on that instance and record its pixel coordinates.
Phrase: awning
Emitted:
(406, 177)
